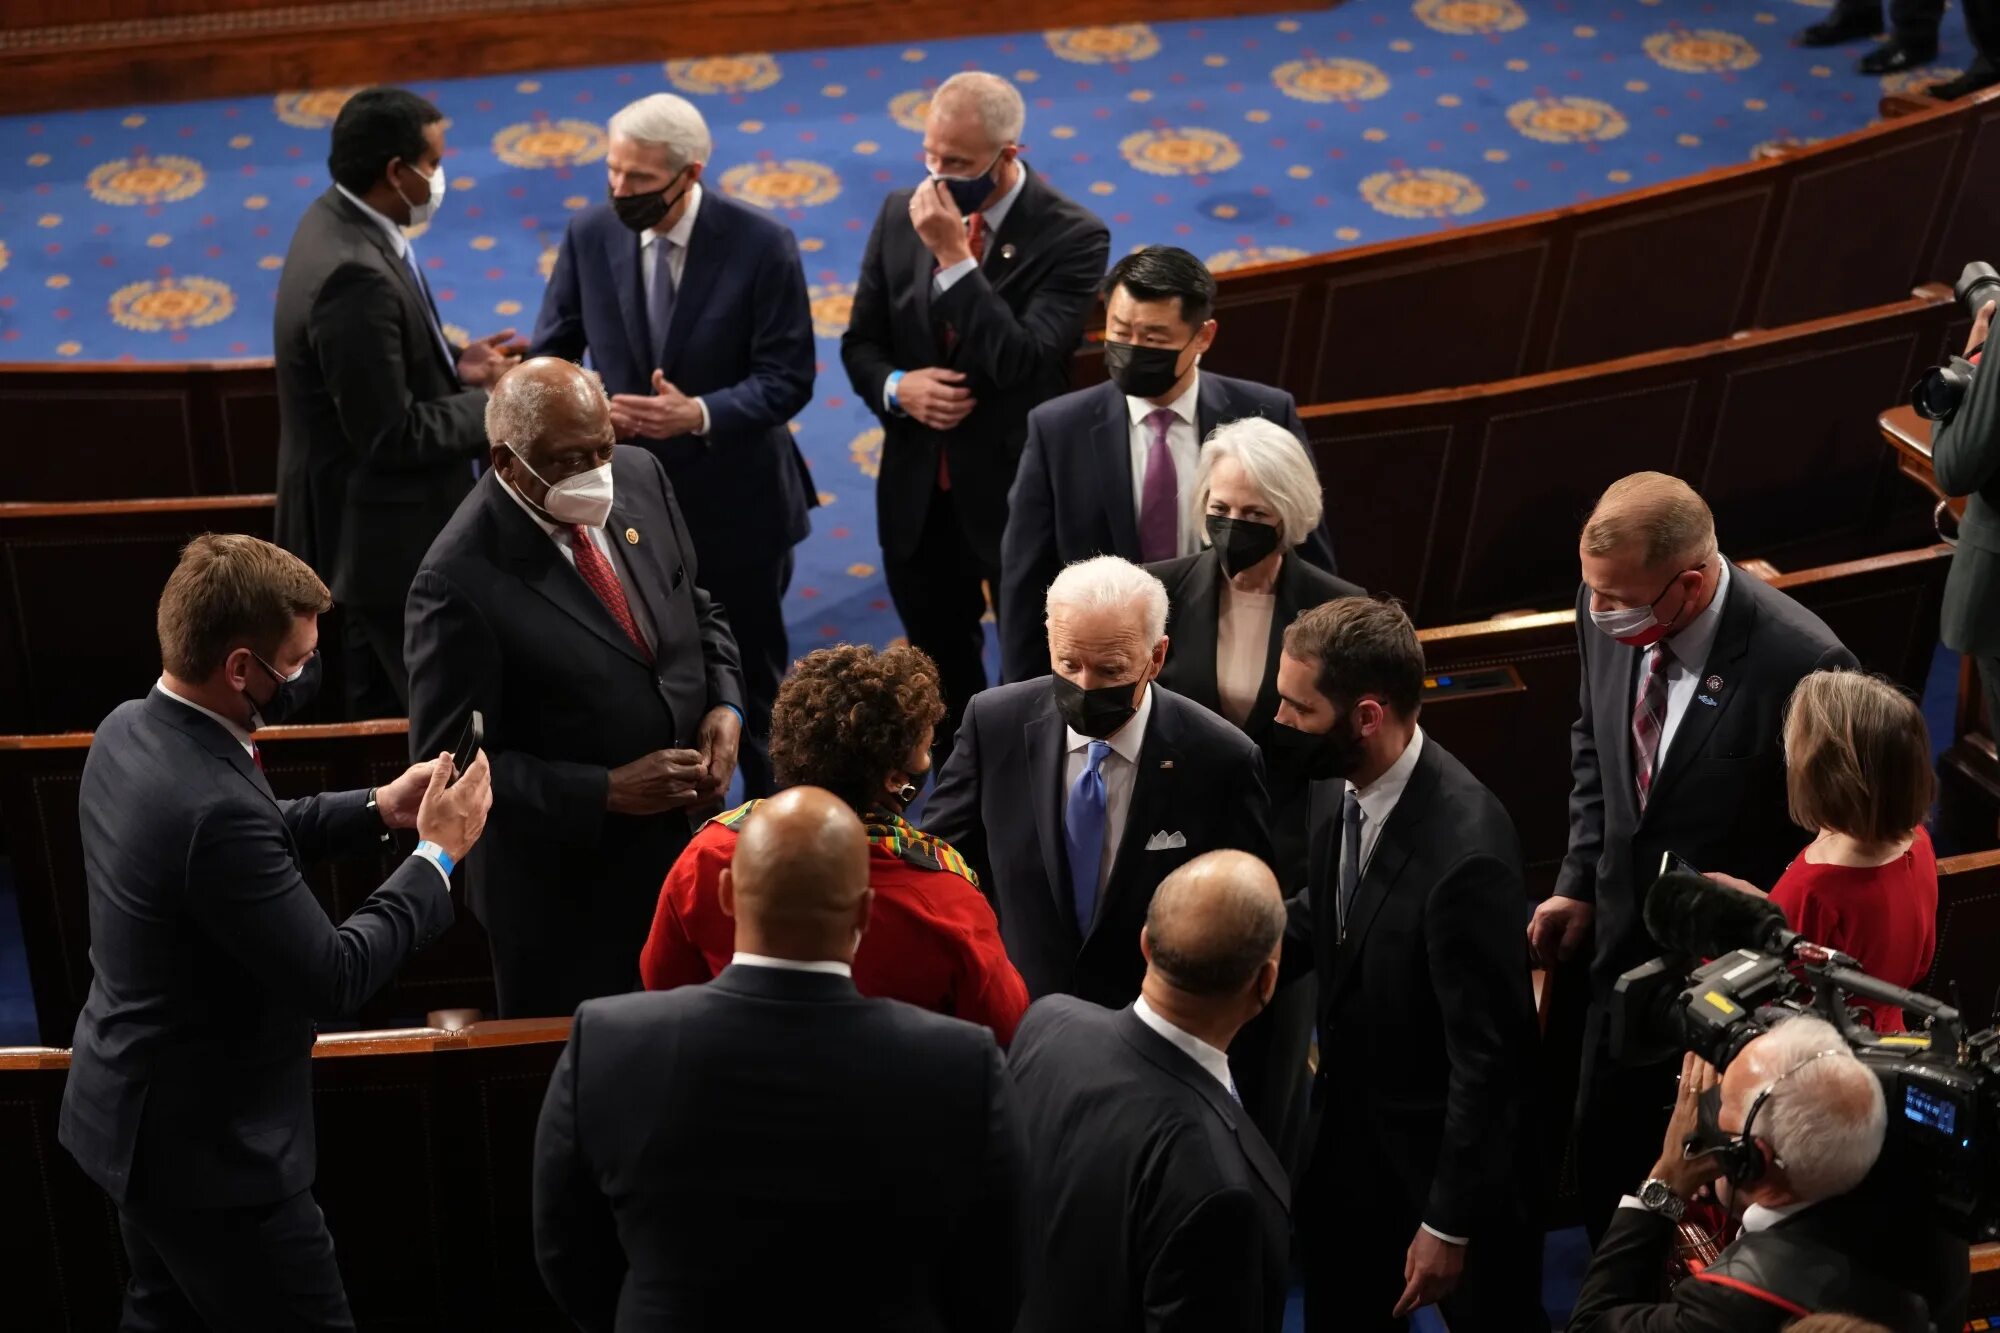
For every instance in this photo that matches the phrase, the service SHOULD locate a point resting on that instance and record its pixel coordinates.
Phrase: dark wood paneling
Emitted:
(39, 783)
(1966, 968)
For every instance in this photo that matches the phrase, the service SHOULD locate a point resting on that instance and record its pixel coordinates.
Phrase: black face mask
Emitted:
(1094, 713)
(1240, 542)
(1143, 372)
(290, 696)
(643, 212)
(1312, 756)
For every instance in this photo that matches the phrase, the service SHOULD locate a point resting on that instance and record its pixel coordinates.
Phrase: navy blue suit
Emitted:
(190, 1088)
(741, 341)
(1072, 498)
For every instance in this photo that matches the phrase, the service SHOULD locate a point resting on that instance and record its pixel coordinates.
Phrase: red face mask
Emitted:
(1638, 626)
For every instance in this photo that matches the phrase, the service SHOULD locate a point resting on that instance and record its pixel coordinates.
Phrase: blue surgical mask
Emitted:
(969, 192)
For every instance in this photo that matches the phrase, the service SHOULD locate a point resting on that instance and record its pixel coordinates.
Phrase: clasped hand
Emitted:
(660, 415)
(679, 779)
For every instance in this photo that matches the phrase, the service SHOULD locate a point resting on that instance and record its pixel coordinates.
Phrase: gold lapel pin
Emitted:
(1166, 763)
(1007, 251)
(631, 536)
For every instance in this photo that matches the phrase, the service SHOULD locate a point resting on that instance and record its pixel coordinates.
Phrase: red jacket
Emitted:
(932, 938)
(1884, 916)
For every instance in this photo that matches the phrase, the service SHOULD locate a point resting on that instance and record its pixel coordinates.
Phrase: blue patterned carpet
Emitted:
(156, 233)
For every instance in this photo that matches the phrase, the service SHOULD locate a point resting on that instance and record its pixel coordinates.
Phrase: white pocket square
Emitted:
(1164, 841)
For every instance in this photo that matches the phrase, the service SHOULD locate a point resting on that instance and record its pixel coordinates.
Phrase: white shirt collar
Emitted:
(233, 727)
(830, 966)
(1690, 645)
(397, 240)
(682, 230)
(1379, 797)
(1182, 407)
(996, 212)
(1124, 742)
(1757, 1217)
(1203, 1054)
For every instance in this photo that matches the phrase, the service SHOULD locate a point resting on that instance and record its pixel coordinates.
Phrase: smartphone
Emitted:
(1670, 861)
(469, 741)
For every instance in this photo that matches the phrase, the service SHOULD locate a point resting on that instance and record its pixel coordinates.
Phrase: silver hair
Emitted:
(993, 101)
(1107, 583)
(517, 416)
(1277, 465)
(669, 121)
(1825, 1116)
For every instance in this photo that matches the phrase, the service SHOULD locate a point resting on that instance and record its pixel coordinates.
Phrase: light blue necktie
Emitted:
(1083, 834)
(1350, 856)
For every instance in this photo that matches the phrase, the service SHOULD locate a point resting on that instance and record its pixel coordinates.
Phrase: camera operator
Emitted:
(1795, 1123)
(1965, 455)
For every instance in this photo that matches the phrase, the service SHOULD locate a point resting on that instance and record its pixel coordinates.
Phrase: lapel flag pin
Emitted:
(1712, 684)
(1007, 251)
(631, 536)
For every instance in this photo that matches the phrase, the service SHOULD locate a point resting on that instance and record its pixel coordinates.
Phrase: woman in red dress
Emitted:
(857, 723)
(1858, 772)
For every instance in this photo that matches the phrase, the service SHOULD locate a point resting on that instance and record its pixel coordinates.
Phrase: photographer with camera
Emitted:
(1965, 456)
(1792, 1124)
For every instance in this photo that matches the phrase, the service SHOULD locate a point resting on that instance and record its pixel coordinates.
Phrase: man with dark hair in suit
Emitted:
(634, 277)
(563, 603)
(969, 308)
(189, 1098)
(1419, 1189)
(379, 413)
(1686, 667)
(770, 1149)
(1073, 795)
(1110, 470)
(1158, 1206)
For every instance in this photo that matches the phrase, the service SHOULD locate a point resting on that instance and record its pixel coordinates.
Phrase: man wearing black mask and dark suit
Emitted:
(1110, 470)
(693, 308)
(1686, 667)
(771, 1150)
(1158, 1207)
(379, 433)
(189, 1098)
(1073, 795)
(564, 604)
(969, 308)
(1420, 1188)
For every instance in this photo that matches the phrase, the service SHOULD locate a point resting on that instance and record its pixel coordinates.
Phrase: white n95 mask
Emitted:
(584, 498)
(424, 211)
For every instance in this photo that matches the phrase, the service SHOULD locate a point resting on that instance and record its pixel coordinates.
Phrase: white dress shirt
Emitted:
(1120, 770)
(830, 966)
(1242, 648)
(1203, 1054)
(1379, 797)
(649, 265)
(1184, 443)
(605, 547)
(1690, 647)
(397, 240)
(995, 213)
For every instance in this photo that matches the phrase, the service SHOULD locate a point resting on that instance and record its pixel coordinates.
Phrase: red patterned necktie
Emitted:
(597, 572)
(975, 237)
(1649, 718)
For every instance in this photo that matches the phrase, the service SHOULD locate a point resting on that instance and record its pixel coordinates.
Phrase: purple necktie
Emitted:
(1159, 501)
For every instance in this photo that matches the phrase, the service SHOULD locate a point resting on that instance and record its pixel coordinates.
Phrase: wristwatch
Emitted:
(1657, 1196)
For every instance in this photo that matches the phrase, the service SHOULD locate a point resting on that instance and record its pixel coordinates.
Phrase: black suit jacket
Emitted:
(741, 341)
(1621, 1289)
(1427, 998)
(190, 1082)
(499, 621)
(1000, 798)
(1072, 497)
(1965, 452)
(376, 435)
(1157, 1206)
(771, 1150)
(1719, 798)
(1018, 320)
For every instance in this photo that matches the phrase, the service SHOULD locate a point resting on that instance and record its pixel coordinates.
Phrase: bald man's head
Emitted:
(798, 883)
(1214, 923)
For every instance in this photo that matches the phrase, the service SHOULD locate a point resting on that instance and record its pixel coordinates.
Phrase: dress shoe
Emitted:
(1839, 29)
(1894, 56)
(1981, 75)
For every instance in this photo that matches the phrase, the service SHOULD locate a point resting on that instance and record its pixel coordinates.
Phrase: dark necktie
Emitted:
(660, 305)
(1350, 856)
(603, 581)
(1159, 498)
(1649, 719)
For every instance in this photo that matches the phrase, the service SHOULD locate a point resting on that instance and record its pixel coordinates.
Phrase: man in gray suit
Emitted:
(1965, 454)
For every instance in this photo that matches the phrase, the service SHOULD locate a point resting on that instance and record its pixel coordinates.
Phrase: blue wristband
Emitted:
(430, 851)
(889, 386)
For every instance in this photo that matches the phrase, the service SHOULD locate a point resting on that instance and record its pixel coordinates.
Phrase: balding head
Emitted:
(798, 883)
(1649, 545)
(547, 420)
(1211, 942)
(1823, 1115)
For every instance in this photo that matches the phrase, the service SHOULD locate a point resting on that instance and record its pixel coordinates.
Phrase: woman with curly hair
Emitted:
(857, 723)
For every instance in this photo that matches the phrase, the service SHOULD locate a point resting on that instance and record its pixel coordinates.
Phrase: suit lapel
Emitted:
(1211, 407)
(1151, 811)
(1111, 446)
(1621, 664)
(1017, 230)
(1732, 641)
(1195, 628)
(645, 577)
(1393, 846)
(628, 279)
(215, 738)
(542, 567)
(378, 238)
(699, 267)
(1289, 603)
(1172, 1060)
(1043, 737)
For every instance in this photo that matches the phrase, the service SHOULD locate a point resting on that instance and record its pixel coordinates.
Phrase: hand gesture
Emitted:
(1980, 324)
(397, 801)
(485, 360)
(662, 415)
(1431, 1271)
(657, 782)
(940, 226)
(1686, 1175)
(1558, 928)
(935, 396)
(453, 815)
(720, 736)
